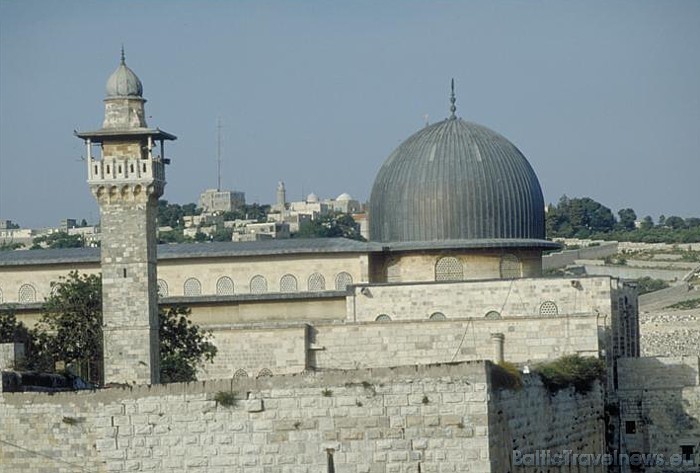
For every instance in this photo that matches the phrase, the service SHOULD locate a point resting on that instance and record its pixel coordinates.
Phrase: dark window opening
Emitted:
(124, 271)
(687, 451)
(331, 465)
(630, 427)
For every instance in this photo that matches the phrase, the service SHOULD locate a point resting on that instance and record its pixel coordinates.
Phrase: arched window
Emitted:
(288, 283)
(383, 318)
(492, 315)
(317, 282)
(258, 285)
(449, 269)
(193, 287)
(162, 288)
(239, 374)
(342, 281)
(27, 293)
(549, 308)
(437, 316)
(511, 267)
(224, 286)
(264, 373)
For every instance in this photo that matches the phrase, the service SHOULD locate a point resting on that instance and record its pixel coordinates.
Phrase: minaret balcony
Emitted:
(126, 170)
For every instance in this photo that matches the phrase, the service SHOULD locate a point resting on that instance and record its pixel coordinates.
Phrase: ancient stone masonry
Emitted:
(659, 404)
(429, 419)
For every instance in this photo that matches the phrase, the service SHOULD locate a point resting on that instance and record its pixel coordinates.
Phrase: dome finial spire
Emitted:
(453, 107)
(123, 60)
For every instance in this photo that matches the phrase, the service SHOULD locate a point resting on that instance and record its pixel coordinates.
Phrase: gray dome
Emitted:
(123, 82)
(456, 180)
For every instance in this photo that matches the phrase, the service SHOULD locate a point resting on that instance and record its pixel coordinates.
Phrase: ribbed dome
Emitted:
(456, 180)
(123, 82)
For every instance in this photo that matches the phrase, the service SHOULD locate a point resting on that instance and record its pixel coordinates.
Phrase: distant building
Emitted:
(214, 200)
(262, 231)
(295, 213)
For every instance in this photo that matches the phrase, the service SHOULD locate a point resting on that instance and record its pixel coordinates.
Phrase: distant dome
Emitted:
(344, 197)
(123, 82)
(312, 198)
(456, 180)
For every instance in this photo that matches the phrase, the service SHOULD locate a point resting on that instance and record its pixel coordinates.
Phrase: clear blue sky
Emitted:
(602, 97)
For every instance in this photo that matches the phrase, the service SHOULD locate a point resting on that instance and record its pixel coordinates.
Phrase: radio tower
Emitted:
(218, 154)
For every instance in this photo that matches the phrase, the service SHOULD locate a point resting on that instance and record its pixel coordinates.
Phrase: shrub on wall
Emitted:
(506, 375)
(571, 370)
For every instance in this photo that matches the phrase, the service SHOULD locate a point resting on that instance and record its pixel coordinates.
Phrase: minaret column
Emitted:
(127, 180)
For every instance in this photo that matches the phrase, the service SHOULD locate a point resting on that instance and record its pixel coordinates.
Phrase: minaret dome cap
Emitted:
(123, 82)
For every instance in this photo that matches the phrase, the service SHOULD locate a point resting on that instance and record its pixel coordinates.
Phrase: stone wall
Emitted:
(294, 347)
(241, 270)
(533, 420)
(258, 351)
(509, 298)
(475, 264)
(412, 419)
(563, 258)
(659, 404)
(413, 343)
(10, 353)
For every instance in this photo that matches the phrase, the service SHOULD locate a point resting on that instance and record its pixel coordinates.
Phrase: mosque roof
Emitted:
(196, 250)
(456, 180)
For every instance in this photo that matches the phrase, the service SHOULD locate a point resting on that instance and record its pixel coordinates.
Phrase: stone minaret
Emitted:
(127, 178)
(281, 197)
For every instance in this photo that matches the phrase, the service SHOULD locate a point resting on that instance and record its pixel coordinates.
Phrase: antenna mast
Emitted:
(218, 154)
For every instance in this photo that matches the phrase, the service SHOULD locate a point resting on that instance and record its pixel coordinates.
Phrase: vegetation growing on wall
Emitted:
(506, 375)
(571, 371)
(647, 284)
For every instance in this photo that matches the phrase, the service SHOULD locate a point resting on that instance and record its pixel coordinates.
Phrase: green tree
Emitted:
(675, 222)
(11, 331)
(9, 245)
(332, 225)
(647, 223)
(70, 330)
(627, 218)
(578, 217)
(183, 346)
(58, 240)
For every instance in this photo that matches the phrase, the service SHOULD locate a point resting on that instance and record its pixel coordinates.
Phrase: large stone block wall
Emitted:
(510, 298)
(429, 419)
(411, 419)
(368, 344)
(258, 351)
(532, 420)
(411, 343)
(659, 405)
(284, 310)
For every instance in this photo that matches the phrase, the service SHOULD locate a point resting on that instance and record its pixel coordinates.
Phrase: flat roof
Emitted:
(272, 247)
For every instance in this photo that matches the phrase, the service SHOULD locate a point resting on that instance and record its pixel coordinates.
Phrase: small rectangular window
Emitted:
(687, 451)
(630, 427)
(124, 271)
